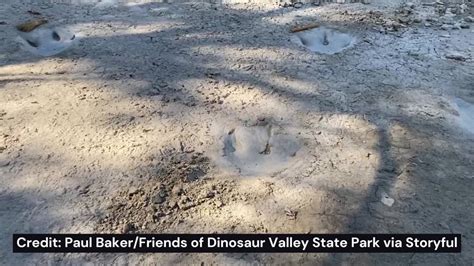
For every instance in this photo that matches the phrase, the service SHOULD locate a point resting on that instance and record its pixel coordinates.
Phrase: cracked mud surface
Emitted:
(118, 133)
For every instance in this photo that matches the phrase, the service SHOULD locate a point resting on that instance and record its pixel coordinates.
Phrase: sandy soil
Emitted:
(151, 121)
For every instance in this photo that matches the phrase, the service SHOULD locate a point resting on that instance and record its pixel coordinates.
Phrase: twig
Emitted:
(303, 28)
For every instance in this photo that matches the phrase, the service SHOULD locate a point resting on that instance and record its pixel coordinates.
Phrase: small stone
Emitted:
(132, 191)
(219, 203)
(149, 218)
(469, 19)
(456, 26)
(126, 228)
(298, 5)
(404, 20)
(172, 204)
(160, 198)
(194, 174)
(456, 56)
(185, 203)
(177, 190)
(445, 27)
(284, 3)
(159, 214)
(187, 206)
(207, 194)
(413, 53)
(465, 26)
(444, 225)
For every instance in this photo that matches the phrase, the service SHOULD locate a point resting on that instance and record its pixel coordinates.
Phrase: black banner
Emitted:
(237, 243)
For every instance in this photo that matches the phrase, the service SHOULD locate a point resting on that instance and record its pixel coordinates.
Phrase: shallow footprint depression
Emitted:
(46, 41)
(258, 150)
(324, 40)
(466, 114)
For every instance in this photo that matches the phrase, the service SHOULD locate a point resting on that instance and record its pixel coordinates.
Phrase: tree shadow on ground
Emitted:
(194, 48)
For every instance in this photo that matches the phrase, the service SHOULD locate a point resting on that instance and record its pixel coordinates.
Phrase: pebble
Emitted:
(160, 197)
(127, 227)
(456, 26)
(456, 56)
(172, 204)
(194, 174)
(413, 53)
(186, 203)
(298, 5)
(444, 225)
(210, 194)
(132, 191)
(469, 19)
(177, 190)
(445, 27)
(219, 204)
(404, 20)
(187, 206)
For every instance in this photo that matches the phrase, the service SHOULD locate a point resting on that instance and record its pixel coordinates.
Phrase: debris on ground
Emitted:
(31, 25)
(304, 27)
